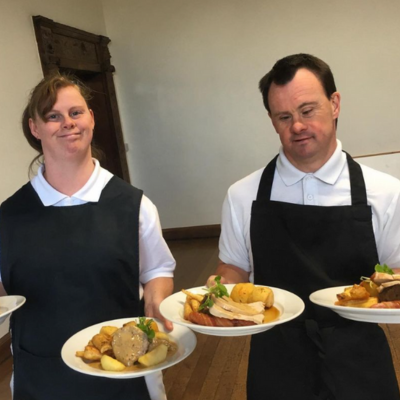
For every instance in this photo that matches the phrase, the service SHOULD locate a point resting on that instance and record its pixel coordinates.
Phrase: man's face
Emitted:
(304, 119)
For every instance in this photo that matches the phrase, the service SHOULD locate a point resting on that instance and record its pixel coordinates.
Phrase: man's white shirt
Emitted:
(329, 186)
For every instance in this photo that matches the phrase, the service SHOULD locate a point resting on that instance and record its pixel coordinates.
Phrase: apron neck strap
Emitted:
(357, 184)
(267, 177)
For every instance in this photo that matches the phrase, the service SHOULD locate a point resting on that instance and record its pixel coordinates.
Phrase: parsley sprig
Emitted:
(383, 268)
(145, 327)
(218, 290)
(378, 268)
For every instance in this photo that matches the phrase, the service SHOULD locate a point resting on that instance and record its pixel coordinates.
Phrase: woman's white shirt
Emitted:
(155, 258)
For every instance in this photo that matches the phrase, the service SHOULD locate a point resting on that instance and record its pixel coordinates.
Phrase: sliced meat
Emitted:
(381, 277)
(389, 292)
(129, 343)
(387, 304)
(218, 311)
(239, 308)
(209, 320)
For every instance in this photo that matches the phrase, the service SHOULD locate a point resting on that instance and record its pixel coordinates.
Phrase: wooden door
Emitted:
(86, 55)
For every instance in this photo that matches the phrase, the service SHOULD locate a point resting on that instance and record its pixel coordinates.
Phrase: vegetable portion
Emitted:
(135, 345)
(217, 290)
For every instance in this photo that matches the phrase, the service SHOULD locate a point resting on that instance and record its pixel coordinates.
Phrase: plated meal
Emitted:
(246, 305)
(9, 304)
(231, 310)
(374, 299)
(135, 345)
(381, 290)
(127, 348)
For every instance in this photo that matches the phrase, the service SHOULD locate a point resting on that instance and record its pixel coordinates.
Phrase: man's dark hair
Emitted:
(285, 69)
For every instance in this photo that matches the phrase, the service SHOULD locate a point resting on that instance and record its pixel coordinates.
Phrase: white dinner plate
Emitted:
(183, 337)
(9, 304)
(327, 298)
(289, 305)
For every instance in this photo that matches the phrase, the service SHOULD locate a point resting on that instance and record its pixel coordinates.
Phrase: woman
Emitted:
(82, 246)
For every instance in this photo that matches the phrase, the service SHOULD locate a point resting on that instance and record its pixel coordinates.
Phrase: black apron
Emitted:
(76, 266)
(302, 249)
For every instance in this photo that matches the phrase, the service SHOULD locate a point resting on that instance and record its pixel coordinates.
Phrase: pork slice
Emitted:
(381, 277)
(218, 311)
(386, 285)
(210, 320)
(241, 308)
(129, 343)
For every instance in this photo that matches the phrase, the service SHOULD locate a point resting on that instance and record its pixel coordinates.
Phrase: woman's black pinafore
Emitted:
(302, 249)
(76, 266)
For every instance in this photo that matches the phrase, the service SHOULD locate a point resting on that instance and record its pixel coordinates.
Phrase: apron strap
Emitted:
(357, 183)
(267, 178)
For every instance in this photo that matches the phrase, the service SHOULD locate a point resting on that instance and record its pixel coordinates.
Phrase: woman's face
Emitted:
(67, 130)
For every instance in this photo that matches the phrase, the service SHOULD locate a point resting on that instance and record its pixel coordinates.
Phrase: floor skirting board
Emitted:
(192, 232)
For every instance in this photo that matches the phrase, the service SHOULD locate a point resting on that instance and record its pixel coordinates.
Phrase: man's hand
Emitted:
(211, 280)
(229, 274)
(155, 291)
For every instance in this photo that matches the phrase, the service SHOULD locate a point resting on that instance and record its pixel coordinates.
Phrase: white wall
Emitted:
(388, 163)
(20, 71)
(187, 76)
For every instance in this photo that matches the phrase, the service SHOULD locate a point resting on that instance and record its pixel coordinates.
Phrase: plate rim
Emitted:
(128, 374)
(373, 315)
(236, 330)
(17, 297)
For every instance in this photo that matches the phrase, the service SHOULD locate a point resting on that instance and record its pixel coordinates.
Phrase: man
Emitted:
(312, 219)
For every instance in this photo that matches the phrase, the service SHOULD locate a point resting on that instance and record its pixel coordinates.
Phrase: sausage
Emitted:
(387, 304)
(209, 320)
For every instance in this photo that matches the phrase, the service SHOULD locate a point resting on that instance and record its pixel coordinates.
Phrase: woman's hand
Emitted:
(2, 290)
(155, 291)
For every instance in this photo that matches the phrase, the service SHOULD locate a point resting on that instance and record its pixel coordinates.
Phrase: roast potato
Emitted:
(187, 309)
(156, 356)
(102, 342)
(90, 353)
(241, 292)
(111, 364)
(263, 294)
(249, 293)
(108, 330)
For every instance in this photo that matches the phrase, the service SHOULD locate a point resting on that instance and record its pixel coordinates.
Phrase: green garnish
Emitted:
(383, 268)
(218, 290)
(378, 268)
(146, 328)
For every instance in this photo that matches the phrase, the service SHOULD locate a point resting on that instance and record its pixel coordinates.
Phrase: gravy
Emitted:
(271, 314)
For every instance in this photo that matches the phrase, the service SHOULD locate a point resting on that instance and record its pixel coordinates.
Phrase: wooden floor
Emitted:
(217, 368)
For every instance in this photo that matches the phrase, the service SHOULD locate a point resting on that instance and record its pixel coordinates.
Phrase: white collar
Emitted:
(328, 173)
(90, 192)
